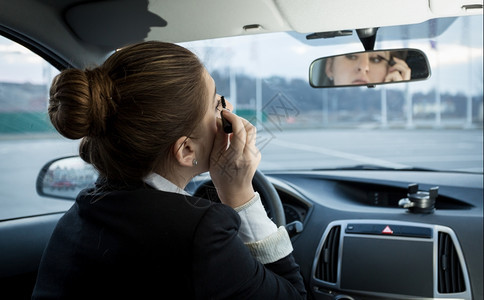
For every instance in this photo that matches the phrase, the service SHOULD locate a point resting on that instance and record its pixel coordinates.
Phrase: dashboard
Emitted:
(354, 239)
(351, 236)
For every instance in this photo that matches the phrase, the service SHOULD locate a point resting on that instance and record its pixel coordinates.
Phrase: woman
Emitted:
(366, 68)
(149, 119)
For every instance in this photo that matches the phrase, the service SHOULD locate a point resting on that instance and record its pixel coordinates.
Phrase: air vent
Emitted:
(451, 279)
(327, 268)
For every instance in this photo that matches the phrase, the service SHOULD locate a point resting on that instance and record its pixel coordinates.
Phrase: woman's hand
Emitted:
(234, 160)
(399, 71)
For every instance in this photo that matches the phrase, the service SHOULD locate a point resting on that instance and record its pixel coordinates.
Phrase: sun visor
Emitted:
(112, 24)
(322, 16)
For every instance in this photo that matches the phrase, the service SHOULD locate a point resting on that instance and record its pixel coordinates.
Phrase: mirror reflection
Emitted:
(369, 68)
(65, 178)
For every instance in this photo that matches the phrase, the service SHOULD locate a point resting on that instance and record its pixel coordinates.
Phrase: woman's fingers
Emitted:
(239, 151)
(243, 141)
(393, 76)
(232, 167)
(398, 72)
(403, 68)
(250, 146)
(238, 136)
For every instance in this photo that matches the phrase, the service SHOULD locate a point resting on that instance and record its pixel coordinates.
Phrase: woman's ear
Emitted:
(184, 151)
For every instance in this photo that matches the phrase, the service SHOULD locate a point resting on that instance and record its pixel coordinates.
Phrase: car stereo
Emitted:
(371, 259)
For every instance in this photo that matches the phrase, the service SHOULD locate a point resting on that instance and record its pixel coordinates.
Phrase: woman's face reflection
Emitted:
(360, 68)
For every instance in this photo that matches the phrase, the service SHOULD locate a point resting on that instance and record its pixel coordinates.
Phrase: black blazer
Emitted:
(142, 243)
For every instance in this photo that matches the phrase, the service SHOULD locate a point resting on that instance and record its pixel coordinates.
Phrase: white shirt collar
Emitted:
(160, 183)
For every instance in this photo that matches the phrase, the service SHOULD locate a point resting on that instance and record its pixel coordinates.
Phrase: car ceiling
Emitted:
(82, 33)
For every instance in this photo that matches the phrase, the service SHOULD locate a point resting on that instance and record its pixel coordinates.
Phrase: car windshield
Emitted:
(431, 124)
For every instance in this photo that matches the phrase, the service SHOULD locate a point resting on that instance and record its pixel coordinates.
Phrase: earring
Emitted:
(331, 78)
(194, 162)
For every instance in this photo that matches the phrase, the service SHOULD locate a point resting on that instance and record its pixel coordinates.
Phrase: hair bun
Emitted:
(80, 102)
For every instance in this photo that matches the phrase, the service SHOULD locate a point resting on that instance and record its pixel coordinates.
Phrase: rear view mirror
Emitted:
(369, 68)
(64, 178)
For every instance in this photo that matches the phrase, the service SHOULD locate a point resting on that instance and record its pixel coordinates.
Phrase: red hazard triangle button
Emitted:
(387, 230)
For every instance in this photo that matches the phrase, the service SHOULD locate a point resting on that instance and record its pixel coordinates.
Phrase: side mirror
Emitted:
(64, 178)
(369, 68)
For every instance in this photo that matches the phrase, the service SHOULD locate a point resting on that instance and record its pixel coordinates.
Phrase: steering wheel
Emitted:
(268, 194)
(270, 198)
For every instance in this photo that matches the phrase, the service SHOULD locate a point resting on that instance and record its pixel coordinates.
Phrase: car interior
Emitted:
(374, 231)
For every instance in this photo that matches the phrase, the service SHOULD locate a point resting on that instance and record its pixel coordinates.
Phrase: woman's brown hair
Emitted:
(130, 110)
